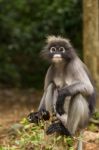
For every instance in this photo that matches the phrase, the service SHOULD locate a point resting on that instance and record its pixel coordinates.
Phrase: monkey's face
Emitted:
(58, 50)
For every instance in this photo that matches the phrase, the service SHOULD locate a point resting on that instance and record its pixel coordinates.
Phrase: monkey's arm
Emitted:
(81, 82)
(42, 112)
(47, 83)
(75, 88)
(35, 117)
(71, 90)
(42, 102)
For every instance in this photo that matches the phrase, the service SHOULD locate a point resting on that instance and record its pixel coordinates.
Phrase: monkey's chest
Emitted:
(59, 80)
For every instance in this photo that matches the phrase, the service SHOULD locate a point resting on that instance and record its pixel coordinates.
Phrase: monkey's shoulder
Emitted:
(77, 69)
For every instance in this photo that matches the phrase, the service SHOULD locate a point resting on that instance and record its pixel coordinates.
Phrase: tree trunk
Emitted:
(91, 38)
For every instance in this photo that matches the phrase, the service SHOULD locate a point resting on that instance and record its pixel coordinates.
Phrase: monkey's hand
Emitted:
(60, 104)
(62, 93)
(35, 117)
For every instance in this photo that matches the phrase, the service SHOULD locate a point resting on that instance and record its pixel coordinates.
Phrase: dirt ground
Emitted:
(16, 104)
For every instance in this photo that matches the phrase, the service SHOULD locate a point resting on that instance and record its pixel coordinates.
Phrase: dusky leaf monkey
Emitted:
(68, 89)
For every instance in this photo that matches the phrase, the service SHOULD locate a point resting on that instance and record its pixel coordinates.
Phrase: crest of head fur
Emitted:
(56, 39)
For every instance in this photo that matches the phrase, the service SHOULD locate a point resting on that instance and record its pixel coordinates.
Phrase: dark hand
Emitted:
(35, 117)
(60, 104)
(62, 93)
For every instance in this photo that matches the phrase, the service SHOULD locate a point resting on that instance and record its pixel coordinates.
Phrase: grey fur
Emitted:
(68, 74)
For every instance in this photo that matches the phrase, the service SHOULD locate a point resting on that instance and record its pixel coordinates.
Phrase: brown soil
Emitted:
(14, 105)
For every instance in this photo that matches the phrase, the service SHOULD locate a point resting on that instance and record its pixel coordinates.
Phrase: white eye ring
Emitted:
(62, 49)
(53, 49)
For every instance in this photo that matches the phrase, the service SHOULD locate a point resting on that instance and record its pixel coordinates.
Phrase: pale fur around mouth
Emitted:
(57, 58)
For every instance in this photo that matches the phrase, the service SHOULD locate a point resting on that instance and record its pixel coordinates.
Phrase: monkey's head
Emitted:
(58, 50)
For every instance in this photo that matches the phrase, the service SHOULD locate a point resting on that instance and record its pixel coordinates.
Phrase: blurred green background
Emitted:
(24, 25)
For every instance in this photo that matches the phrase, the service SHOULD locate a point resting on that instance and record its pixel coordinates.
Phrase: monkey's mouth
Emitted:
(56, 58)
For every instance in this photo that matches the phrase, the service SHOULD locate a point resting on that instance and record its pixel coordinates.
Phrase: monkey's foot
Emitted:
(58, 128)
(35, 117)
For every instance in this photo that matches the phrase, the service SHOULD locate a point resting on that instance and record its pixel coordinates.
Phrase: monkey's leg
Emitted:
(49, 98)
(59, 126)
(78, 113)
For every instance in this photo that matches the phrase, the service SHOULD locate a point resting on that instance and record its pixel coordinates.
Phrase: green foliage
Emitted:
(96, 115)
(94, 122)
(34, 137)
(24, 24)
(92, 127)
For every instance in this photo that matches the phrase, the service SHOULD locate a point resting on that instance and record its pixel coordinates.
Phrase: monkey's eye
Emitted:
(53, 49)
(62, 49)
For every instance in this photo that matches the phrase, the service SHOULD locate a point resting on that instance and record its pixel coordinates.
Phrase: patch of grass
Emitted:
(33, 137)
(96, 115)
(92, 127)
(27, 136)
